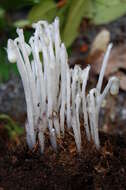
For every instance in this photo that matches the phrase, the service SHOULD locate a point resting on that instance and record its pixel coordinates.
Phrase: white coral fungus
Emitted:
(55, 94)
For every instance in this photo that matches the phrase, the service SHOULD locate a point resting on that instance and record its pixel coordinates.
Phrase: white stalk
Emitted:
(52, 134)
(103, 68)
(56, 124)
(63, 86)
(95, 113)
(74, 126)
(22, 47)
(112, 86)
(41, 138)
(77, 104)
(25, 81)
(68, 98)
(85, 76)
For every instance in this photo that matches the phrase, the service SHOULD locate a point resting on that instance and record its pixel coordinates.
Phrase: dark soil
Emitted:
(21, 169)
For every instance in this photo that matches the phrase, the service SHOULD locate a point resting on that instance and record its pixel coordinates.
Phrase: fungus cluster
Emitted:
(55, 94)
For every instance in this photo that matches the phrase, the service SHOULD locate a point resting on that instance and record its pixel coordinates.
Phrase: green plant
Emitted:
(72, 12)
(13, 129)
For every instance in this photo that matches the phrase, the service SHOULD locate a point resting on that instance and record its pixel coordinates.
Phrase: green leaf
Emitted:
(62, 13)
(44, 10)
(108, 2)
(107, 11)
(76, 12)
(89, 10)
(21, 23)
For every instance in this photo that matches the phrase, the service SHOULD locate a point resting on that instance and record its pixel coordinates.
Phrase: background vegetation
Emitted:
(22, 13)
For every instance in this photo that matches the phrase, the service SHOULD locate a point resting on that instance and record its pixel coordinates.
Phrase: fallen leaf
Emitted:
(98, 46)
(100, 42)
(122, 78)
(116, 64)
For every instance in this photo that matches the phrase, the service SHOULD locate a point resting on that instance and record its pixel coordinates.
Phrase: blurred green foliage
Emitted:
(74, 17)
(44, 10)
(14, 130)
(70, 13)
(17, 4)
(5, 67)
(2, 16)
(106, 10)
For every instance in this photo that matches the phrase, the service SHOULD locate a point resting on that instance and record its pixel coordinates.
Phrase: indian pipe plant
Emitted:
(56, 94)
